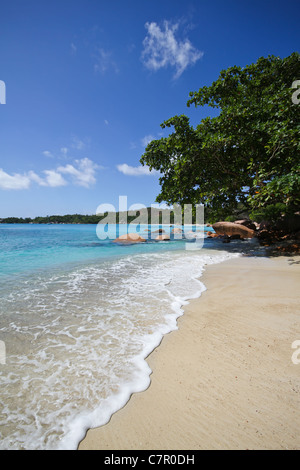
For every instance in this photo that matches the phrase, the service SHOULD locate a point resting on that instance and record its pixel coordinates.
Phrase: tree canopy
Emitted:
(248, 156)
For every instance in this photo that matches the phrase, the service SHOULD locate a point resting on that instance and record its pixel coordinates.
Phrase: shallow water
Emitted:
(78, 317)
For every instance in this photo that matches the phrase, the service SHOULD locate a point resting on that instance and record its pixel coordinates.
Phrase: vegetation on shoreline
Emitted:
(118, 217)
(53, 219)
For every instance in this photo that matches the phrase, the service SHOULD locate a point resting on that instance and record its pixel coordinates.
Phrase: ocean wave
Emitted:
(77, 341)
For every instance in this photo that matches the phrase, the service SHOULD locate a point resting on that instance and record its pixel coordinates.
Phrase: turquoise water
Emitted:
(28, 247)
(78, 317)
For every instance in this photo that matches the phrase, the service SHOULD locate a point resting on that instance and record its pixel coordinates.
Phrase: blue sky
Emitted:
(88, 83)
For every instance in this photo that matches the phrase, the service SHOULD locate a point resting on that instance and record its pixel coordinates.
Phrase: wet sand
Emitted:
(225, 379)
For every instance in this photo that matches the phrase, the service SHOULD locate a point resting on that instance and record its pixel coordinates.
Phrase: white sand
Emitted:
(225, 379)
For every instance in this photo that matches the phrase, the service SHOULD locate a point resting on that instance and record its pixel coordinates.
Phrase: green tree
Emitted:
(248, 156)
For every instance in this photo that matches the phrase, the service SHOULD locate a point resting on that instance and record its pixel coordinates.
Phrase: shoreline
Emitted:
(225, 378)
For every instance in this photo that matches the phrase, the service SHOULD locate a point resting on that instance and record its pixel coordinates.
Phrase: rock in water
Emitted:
(229, 228)
(130, 238)
(246, 223)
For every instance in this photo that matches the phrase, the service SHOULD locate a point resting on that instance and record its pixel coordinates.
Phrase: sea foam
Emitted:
(78, 340)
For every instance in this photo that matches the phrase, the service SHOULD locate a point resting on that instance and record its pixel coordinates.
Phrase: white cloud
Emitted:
(64, 150)
(54, 179)
(163, 49)
(46, 153)
(77, 143)
(15, 181)
(36, 178)
(103, 61)
(136, 170)
(145, 140)
(84, 174)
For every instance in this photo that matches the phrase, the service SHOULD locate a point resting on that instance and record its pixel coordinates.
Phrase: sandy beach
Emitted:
(225, 379)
